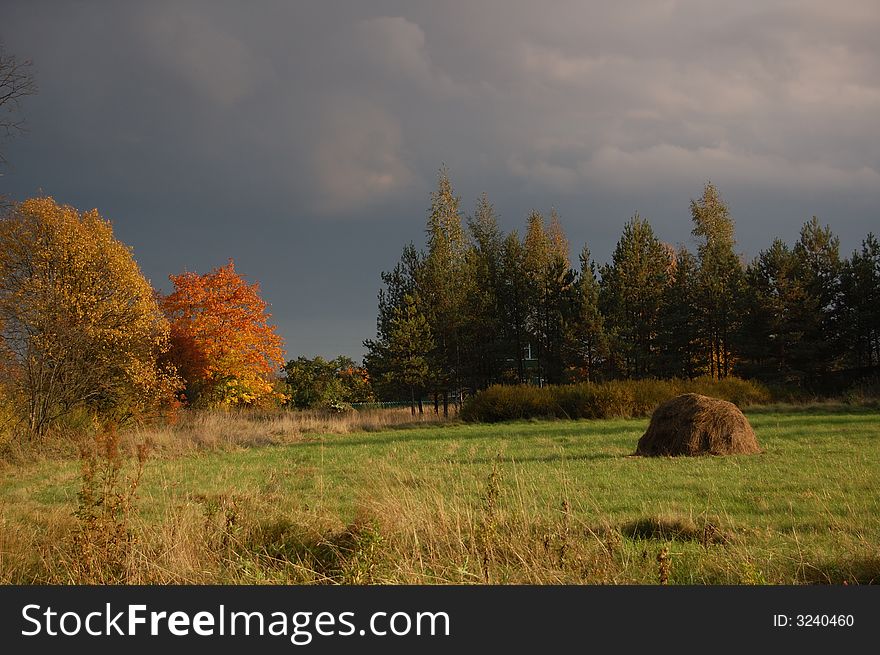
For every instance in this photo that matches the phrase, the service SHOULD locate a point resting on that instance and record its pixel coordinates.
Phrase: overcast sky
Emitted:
(303, 139)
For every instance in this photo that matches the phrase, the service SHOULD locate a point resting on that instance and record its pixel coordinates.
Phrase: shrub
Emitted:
(336, 407)
(736, 390)
(502, 403)
(615, 399)
(576, 400)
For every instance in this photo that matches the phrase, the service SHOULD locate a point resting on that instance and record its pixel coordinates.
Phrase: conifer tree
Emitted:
(631, 292)
(409, 342)
(679, 334)
(399, 283)
(483, 340)
(445, 286)
(817, 261)
(514, 295)
(772, 293)
(859, 311)
(719, 279)
(550, 279)
(587, 343)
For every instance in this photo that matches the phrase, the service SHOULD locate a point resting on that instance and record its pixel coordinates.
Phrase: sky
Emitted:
(303, 139)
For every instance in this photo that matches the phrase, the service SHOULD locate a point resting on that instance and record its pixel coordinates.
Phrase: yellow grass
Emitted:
(221, 430)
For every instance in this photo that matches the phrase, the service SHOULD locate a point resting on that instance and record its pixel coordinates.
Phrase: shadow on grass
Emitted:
(859, 570)
(346, 556)
(675, 529)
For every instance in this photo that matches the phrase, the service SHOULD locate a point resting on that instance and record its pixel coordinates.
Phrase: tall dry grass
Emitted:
(408, 533)
(195, 430)
(409, 527)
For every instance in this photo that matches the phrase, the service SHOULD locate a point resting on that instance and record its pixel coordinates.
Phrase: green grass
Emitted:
(572, 505)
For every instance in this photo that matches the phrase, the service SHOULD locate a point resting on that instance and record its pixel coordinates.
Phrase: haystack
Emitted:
(698, 425)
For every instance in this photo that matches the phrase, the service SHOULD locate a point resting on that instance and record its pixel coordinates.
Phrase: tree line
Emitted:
(82, 330)
(476, 306)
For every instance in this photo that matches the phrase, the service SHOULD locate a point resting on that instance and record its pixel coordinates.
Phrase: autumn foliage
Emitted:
(222, 343)
(79, 323)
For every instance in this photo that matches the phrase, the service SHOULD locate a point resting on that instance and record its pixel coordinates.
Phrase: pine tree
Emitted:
(859, 311)
(772, 294)
(817, 261)
(445, 287)
(551, 286)
(409, 341)
(586, 341)
(400, 283)
(719, 279)
(631, 291)
(483, 339)
(536, 251)
(514, 292)
(679, 334)
(793, 298)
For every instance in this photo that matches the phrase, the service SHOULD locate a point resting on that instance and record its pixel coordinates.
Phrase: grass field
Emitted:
(528, 502)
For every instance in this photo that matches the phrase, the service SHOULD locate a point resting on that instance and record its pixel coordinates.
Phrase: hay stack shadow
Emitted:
(692, 424)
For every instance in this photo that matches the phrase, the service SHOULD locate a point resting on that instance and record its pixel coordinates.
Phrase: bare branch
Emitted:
(16, 82)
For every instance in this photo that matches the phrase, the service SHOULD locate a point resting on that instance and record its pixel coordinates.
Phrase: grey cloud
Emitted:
(279, 132)
(359, 157)
(206, 59)
(396, 46)
(667, 164)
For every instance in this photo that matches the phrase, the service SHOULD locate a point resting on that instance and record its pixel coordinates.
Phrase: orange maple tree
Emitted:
(221, 340)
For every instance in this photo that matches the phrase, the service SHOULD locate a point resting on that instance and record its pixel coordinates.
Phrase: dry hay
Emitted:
(692, 424)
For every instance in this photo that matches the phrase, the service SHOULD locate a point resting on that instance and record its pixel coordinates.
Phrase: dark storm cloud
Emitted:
(302, 139)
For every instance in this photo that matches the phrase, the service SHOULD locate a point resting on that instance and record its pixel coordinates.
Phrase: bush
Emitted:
(336, 407)
(501, 403)
(736, 390)
(615, 399)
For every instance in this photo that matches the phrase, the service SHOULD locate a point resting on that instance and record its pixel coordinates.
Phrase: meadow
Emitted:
(384, 500)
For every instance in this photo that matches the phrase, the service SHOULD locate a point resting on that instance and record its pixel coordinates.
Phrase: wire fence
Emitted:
(380, 405)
